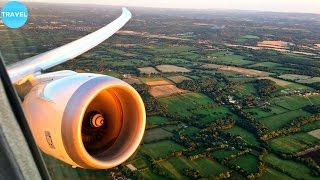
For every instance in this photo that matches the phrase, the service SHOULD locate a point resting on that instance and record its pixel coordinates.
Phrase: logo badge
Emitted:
(14, 14)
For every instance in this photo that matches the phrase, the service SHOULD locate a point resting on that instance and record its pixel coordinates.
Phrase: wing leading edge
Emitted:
(20, 71)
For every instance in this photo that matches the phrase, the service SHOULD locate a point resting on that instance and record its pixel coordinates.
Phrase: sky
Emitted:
(305, 6)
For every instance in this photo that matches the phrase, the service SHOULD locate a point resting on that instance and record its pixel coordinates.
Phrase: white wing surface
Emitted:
(20, 71)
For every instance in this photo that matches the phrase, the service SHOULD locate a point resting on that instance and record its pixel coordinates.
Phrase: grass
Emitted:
(173, 61)
(147, 174)
(150, 79)
(139, 163)
(311, 126)
(206, 167)
(190, 130)
(212, 114)
(185, 105)
(156, 135)
(221, 154)
(315, 99)
(300, 78)
(248, 162)
(171, 128)
(170, 50)
(265, 64)
(274, 175)
(228, 58)
(244, 134)
(160, 149)
(295, 169)
(280, 120)
(231, 60)
(293, 143)
(260, 113)
(154, 120)
(291, 102)
(246, 89)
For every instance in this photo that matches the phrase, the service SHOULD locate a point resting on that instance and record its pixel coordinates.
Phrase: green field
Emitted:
(265, 64)
(171, 128)
(213, 114)
(206, 167)
(160, 149)
(315, 99)
(293, 143)
(231, 60)
(244, 134)
(156, 135)
(295, 169)
(280, 120)
(186, 105)
(147, 174)
(221, 154)
(248, 162)
(274, 175)
(155, 120)
(246, 89)
(189, 130)
(170, 50)
(260, 113)
(173, 61)
(300, 78)
(139, 163)
(311, 126)
(291, 102)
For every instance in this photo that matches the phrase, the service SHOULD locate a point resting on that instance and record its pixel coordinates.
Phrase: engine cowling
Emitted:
(86, 120)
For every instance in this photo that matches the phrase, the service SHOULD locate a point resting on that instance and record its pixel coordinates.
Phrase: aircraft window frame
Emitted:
(21, 120)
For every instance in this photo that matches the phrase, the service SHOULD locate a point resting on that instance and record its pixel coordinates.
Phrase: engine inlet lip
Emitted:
(73, 141)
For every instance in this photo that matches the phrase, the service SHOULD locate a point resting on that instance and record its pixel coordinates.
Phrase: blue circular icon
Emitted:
(14, 14)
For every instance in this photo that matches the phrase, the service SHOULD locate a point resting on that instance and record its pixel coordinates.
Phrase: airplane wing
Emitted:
(21, 71)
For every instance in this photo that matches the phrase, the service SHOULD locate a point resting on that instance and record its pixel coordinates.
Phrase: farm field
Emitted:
(280, 120)
(265, 64)
(148, 70)
(300, 78)
(247, 89)
(178, 79)
(206, 167)
(293, 143)
(165, 90)
(291, 102)
(287, 84)
(184, 105)
(152, 120)
(156, 135)
(238, 70)
(190, 131)
(296, 170)
(248, 162)
(259, 113)
(245, 135)
(275, 175)
(171, 68)
(221, 154)
(160, 149)
(227, 58)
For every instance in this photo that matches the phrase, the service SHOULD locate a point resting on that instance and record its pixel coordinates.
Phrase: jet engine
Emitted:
(86, 120)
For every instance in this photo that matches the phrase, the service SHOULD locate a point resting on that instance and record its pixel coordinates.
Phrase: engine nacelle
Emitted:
(86, 120)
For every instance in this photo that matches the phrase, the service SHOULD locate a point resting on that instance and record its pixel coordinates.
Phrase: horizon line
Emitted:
(172, 8)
